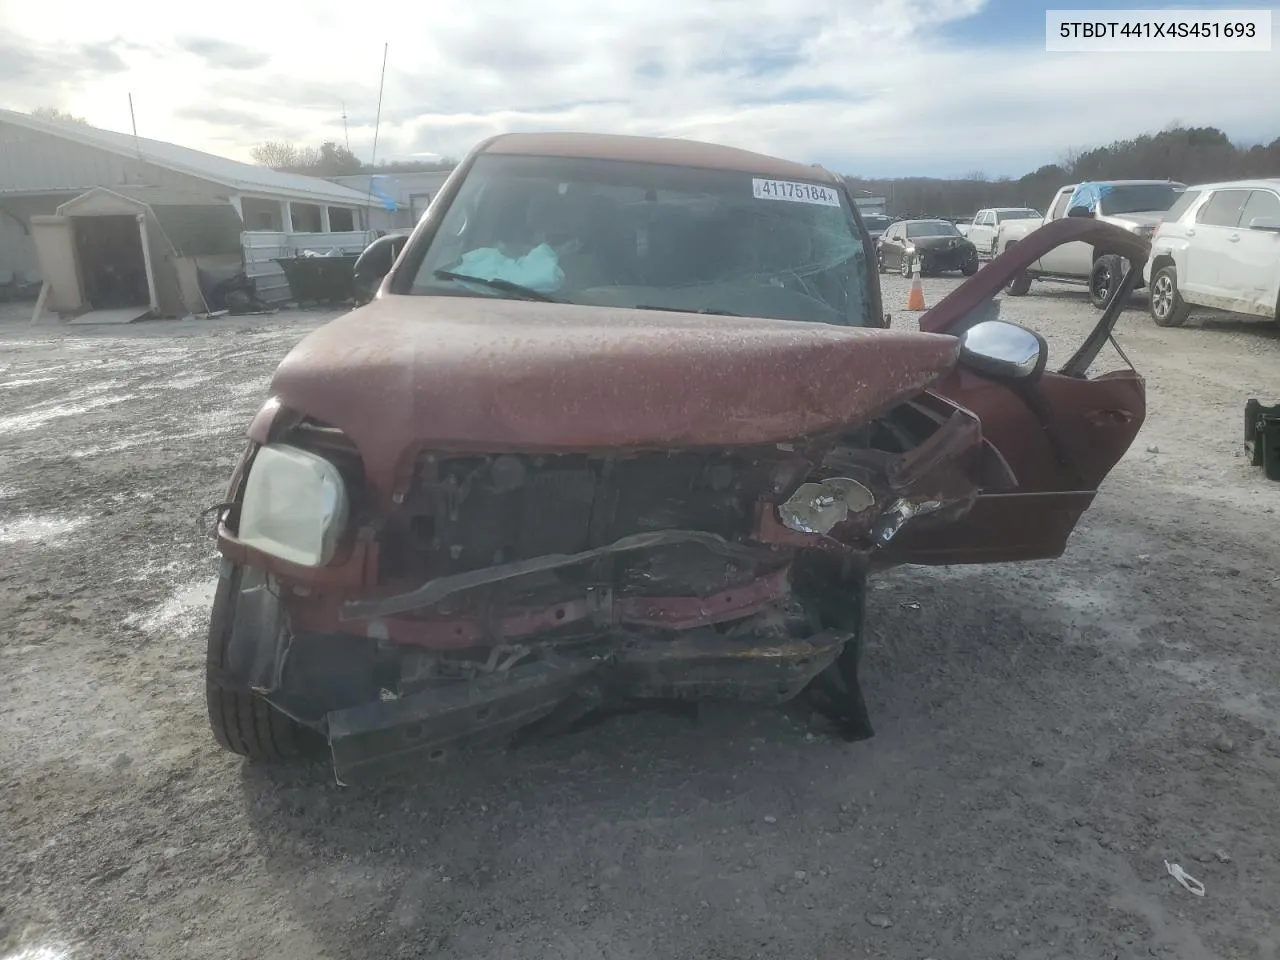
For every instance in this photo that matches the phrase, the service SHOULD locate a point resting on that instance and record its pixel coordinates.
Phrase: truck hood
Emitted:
(1143, 219)
(456, 374)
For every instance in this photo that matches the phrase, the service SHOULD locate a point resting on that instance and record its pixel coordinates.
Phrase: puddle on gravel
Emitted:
(39, 953)
(185, 383)
(34, 529)
(118, 446)
(186, 606)
(219, 423)
(21, 422)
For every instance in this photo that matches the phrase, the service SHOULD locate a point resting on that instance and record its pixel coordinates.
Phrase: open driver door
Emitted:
(1061, 432)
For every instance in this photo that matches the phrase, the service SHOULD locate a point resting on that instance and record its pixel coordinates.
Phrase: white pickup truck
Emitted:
(1135, 205)
(989, 223)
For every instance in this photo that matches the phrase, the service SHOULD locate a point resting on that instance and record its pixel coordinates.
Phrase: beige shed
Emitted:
(118, 255)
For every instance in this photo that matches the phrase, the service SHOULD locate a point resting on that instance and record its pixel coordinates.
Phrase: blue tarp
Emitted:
(379, 186)
(1088, 194)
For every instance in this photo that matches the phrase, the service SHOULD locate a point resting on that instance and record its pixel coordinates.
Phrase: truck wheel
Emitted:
(836, 693)
(1168, 309)
(970, 267)
(1019, 285)
(1108, 270)
(904, 267)
(242, 721)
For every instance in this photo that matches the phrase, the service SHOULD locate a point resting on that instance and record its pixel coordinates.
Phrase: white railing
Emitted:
(263, 247)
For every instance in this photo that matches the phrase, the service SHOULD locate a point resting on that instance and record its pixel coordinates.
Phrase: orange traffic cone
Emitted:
(915, 299)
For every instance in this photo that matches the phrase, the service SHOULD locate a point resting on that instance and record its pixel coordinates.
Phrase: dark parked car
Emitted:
(936, 246)
(538, 476)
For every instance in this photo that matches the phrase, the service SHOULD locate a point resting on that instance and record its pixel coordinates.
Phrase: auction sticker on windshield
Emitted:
(795, 191)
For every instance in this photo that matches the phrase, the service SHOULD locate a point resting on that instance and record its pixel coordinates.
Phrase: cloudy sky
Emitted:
(870, 87)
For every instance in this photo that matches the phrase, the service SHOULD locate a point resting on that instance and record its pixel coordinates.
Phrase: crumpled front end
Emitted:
(502, 591)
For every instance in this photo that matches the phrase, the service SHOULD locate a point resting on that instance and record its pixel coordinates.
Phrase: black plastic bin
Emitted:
(1262, 433)
(320, 279)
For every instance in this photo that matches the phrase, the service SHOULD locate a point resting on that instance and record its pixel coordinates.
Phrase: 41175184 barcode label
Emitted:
(795, 191)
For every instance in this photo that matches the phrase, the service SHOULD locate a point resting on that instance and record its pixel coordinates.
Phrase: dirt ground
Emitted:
(1048, 735)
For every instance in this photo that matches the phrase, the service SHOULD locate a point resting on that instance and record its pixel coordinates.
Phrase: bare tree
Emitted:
(53, 113)
(1070, 158)
(275, 154)
(327, 160)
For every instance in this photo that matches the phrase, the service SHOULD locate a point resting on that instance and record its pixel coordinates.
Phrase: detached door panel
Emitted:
(1093, 424)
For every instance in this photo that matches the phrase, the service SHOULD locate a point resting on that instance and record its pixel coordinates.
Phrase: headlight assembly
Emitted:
(818, 507)
(295, 505)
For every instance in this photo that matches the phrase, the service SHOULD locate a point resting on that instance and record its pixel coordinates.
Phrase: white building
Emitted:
(44, 164)
(396, 200)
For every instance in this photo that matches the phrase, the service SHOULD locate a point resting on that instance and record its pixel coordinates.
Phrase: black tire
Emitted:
(836, 693)
(970, 267)
(1108, 270)
(880, 262)
(1020, 284)
(1166, 306)
(904, 267)
(241, 721)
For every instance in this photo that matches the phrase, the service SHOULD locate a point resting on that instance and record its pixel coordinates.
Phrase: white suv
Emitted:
(1218, 247)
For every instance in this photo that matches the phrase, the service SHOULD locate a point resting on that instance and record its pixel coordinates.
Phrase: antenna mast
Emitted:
(368, 200)
(134, 120)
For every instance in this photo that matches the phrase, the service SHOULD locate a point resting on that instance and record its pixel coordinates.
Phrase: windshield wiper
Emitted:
(497, 283)
(706, 310)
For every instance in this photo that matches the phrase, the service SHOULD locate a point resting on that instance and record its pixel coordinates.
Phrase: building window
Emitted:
(340, 220)
(306, 218)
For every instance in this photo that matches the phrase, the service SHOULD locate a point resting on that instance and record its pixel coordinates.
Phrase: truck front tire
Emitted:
(243, 722)
(1021, 283)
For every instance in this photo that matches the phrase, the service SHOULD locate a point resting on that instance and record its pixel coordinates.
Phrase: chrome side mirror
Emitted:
(1005, 350)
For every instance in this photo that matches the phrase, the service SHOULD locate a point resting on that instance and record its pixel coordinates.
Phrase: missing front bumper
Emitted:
(445, 721)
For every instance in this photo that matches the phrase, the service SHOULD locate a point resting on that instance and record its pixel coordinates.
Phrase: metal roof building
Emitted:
(396, 199)
(45, 163)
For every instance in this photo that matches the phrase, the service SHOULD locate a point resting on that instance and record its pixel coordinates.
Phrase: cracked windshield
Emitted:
(703, 481)
(655, 236)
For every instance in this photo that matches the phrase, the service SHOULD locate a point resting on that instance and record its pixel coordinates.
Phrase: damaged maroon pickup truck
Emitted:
(625, 425)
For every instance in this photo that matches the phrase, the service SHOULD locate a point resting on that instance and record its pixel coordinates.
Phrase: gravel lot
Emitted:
(1048, 734)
